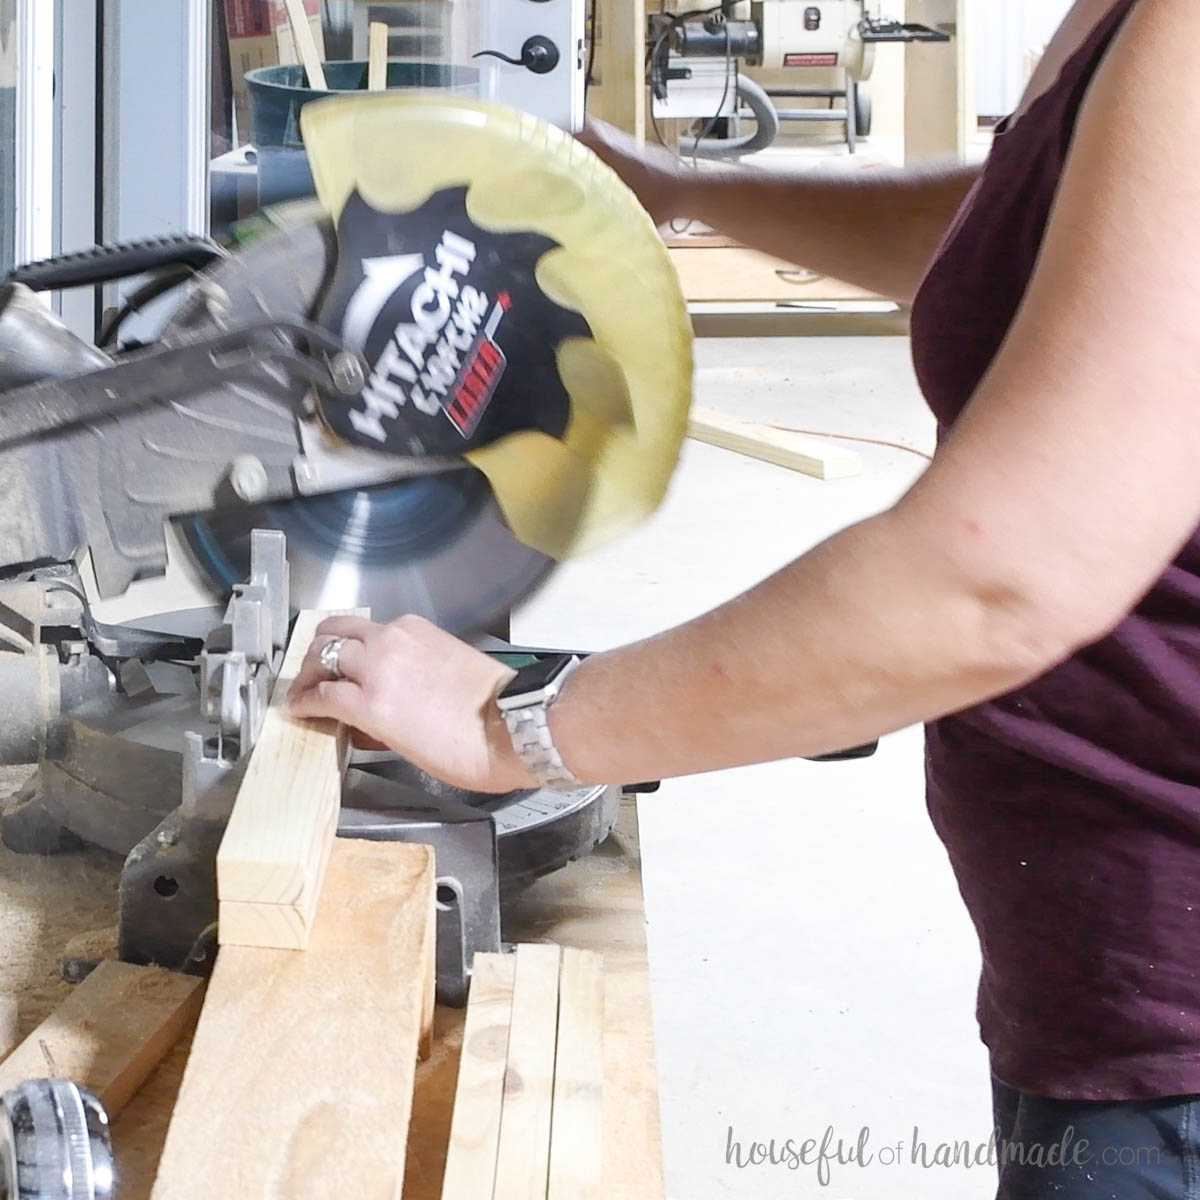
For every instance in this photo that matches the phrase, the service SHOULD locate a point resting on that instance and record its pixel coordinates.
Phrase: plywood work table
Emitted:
(594, 904)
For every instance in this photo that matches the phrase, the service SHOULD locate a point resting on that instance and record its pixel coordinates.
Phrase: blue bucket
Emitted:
(277, 94)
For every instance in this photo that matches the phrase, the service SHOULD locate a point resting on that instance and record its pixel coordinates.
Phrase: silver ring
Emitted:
(330, 657)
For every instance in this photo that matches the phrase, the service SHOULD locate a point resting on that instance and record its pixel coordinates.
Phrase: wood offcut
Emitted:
(9, 1025)
(109, 1033)
(795, 451)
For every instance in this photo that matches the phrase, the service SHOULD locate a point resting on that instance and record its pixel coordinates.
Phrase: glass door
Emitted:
(8, 134)
(27, 51)
(468, 47)
(47, 139)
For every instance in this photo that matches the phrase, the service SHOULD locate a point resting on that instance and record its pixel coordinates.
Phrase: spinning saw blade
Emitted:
(517, 311)
(437, 546)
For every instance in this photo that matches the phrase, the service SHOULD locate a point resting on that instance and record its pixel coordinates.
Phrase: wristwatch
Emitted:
(523, 702)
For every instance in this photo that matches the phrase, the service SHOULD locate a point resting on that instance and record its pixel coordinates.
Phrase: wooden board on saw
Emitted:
(110, 1032)
(593, 904)
(528, 1111)
(795, 451)
(722, 272)
(272, 858)
(300, 1079)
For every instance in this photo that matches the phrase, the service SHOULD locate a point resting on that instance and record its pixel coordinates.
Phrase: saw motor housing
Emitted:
(217, 418)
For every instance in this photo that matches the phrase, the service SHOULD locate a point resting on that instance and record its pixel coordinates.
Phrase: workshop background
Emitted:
(811, 965)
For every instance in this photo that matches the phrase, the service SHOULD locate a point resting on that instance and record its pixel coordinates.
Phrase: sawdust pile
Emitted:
(44, 903)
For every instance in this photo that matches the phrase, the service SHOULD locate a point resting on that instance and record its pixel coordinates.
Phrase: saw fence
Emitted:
(305, 1076)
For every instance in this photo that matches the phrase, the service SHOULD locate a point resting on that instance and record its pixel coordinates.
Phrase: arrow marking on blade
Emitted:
(382, 277)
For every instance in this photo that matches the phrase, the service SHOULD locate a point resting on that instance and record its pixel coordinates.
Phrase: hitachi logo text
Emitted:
(422, 358)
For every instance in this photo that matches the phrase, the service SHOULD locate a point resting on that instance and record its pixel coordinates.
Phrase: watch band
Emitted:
(524, 702)
(531, 739)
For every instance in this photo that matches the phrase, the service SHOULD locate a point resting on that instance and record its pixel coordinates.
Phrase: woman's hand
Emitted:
(652, 172)
(417, 690)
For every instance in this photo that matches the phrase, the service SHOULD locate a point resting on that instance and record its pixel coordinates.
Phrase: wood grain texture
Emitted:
(306, 44)
(755, 319)
(10, 1025)
(595, 904)
(475, 1129)
(273, 856)
(734, 273)
(618, 94)
(523, 1156)
(300, 1080)
(377, 56)
(939, 88)
(796, 451)
(577, 1125)
(429, 999)
(110, 1032)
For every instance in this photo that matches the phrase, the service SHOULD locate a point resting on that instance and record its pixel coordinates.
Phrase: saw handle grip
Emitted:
(103, 264)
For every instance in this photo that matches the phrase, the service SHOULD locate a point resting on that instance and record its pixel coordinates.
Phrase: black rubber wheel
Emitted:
(863, 112)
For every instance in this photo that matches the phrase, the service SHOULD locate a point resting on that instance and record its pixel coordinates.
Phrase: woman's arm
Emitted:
(877, 229)
(1066, 488)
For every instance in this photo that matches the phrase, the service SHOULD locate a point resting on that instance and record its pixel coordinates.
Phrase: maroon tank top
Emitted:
(1071, 808)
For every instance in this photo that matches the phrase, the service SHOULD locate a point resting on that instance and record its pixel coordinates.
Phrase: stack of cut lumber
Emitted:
(528, 1111)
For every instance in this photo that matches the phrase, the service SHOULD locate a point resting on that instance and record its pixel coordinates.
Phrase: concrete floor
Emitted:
(812, 967)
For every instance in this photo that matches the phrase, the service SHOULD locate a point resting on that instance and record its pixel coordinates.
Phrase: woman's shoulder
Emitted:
(1076, 30)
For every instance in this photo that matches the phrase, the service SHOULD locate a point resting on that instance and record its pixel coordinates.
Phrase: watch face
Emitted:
(537, 677)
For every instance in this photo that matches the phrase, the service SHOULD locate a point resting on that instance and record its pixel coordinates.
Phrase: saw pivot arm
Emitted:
(304, 351)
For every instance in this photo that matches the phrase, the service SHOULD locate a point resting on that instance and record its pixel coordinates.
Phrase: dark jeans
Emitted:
(1071, 1150)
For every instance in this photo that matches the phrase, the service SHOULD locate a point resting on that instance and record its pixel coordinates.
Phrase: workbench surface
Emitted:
(595, 904)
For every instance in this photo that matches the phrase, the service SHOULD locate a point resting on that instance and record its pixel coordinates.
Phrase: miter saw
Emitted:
(467, 361)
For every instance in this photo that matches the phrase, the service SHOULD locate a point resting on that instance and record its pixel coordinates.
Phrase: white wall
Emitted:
(1006, 32)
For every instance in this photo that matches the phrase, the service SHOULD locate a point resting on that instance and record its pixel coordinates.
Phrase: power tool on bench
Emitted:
(469, 360)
